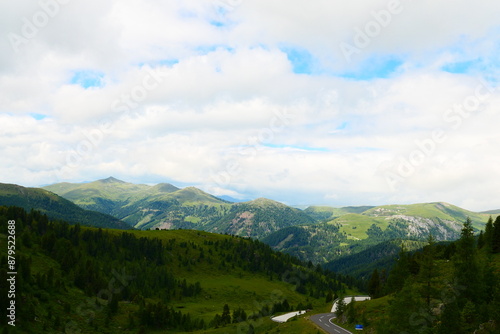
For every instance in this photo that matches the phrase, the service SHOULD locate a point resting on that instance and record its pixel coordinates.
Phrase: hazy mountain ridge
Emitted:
(165, 206)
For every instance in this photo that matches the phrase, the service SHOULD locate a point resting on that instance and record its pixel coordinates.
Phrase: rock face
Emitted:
(418, 227)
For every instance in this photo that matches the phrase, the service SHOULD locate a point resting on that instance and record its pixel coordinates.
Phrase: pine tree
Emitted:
(341, 307)
(496, 236)
(399, 273)
(329, 297)
(450, 319)
(406, 312)
(469, 317)
(480, 240)
(488, 235)
(374, 284)
(113, 305)
(466, 265)
(351, 311)
(428, 271)
(226, 315)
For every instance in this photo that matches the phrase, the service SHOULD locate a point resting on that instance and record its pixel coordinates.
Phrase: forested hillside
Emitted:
(444, 288)
(73, 278)
(55, 206)
(358, 229)
(380, 256)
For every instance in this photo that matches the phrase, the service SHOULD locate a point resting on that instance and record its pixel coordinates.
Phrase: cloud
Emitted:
(255, 98)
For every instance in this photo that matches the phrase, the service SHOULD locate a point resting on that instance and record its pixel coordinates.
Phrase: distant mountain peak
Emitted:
(111, 180)
(261, 201)
(165, 187)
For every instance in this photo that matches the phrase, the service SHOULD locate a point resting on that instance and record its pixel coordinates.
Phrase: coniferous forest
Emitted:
(448, 287)
(77, 279)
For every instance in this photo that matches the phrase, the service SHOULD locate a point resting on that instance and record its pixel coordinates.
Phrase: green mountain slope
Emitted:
(55, 206)
(166, 207)
(87, 280)
(491, 212)
(107, 195)
(161, 206)
(415, 221)
(321, 213)
(379, 256)
(450, 287)
(352, 233)
(259, 218)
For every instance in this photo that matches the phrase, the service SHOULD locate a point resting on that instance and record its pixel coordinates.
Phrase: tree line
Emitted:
(95, 278)
(448, 287)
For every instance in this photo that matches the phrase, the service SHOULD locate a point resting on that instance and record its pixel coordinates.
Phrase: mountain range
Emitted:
(320, 234)
(182, 276)
(165, 206)
(347, 231)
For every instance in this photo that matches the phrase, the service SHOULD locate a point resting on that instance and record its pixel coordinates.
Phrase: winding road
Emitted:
(324, 320)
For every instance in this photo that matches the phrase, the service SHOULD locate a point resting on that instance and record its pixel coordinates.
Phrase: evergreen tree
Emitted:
(406, 312)
(488, 235)
(113, 305)
(351, 311)
(467, 270)
(374, 284)
(226, 315)
(341, 307)
(450, 319)
(469, 317)
(480, 240)
(329, 297)
(496, 236)
(399, 273)
(428, 271)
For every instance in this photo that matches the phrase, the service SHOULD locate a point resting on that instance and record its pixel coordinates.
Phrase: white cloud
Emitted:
(203, 92)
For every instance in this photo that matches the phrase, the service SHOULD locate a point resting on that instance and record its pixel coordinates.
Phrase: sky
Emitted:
(304, 102)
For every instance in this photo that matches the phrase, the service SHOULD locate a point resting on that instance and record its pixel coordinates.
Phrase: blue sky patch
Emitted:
(296, 147)
(38, 117)
(168, 62)
(374, 68)
(217, 24)
(301, 60)
(206, 49)
(460, 67)
(342, 126)
(87, 79)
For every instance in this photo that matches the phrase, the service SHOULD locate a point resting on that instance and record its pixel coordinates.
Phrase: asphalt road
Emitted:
(323, 321)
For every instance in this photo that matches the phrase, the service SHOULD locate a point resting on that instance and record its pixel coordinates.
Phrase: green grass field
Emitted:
(355, 225)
